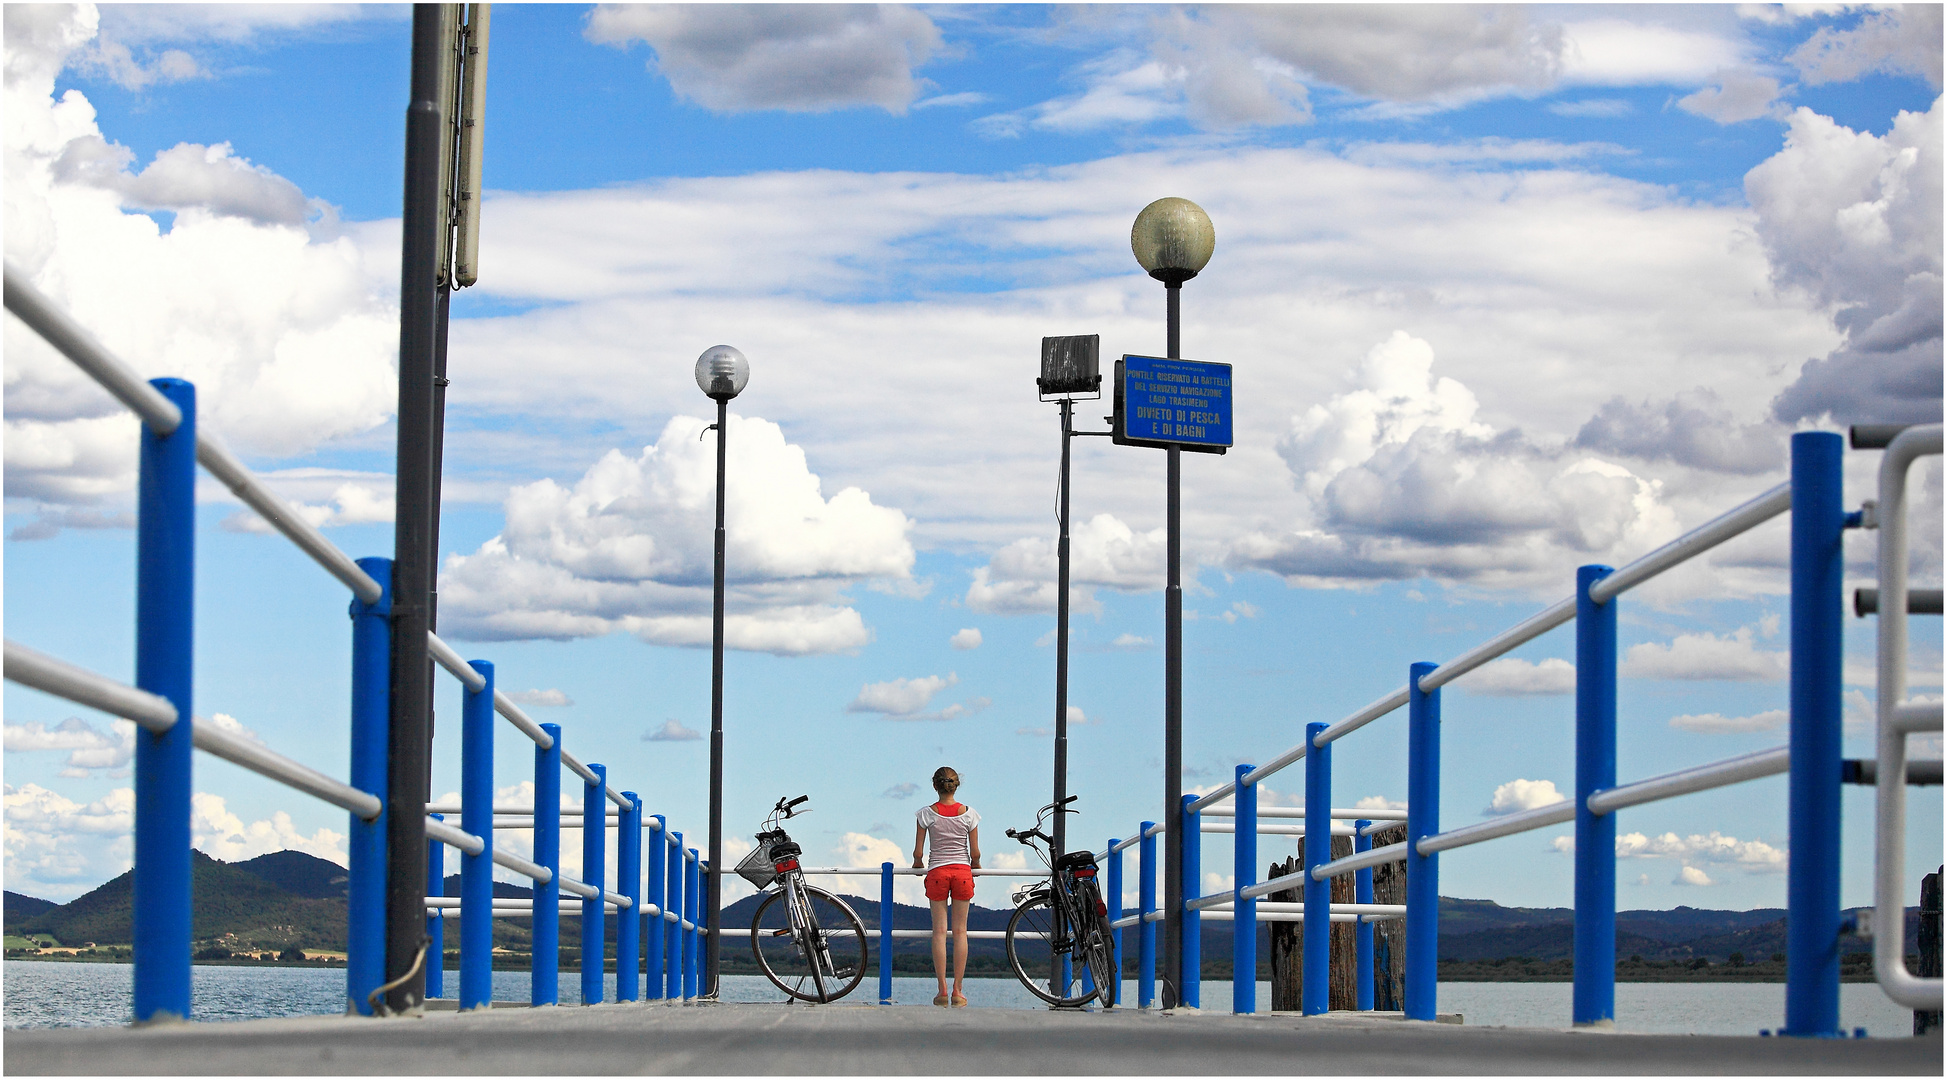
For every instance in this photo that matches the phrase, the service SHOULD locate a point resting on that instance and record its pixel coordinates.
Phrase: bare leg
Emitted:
(960, 913)
(939, 943)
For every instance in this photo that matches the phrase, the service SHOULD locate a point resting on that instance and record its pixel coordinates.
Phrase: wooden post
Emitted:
(1287, 940)
(1389, 963)
(1929, 967)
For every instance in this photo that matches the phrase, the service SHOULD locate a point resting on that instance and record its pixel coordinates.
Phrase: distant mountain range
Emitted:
(288, 898)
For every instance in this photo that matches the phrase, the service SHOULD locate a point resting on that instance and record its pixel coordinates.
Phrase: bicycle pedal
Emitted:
(786, 932)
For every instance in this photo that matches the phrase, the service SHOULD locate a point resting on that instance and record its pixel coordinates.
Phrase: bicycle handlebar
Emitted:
(796, 801)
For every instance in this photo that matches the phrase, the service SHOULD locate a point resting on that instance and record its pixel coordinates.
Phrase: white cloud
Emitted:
(1694, 428)
(1518, 795)
(900, 698)
(1690, 875)
(549, 698)
(629, 547)
(88, 747)
(864, 849)
(221, 834)
(1103, 553)
(1619, 52)
(901, 791)
(1769, 720)
(1903, 40)
(968, 638)
(285, 331)
(796, 57)
(1736, 96)
(1705, 655)
(342, 497)
(1854, 220)
(1513, 677)
(1379, 802)
(671, 731)
(1752, 856)
(1403, 479)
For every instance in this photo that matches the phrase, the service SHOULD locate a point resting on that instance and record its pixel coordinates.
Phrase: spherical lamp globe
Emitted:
(1173, 239)
(721, 372)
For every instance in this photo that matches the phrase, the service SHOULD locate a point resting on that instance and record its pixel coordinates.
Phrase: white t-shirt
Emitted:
(946, 837)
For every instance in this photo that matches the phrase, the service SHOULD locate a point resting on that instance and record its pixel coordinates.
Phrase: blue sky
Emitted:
(1506, 291)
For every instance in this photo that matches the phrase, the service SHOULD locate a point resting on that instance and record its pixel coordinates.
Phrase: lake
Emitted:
(45, 994)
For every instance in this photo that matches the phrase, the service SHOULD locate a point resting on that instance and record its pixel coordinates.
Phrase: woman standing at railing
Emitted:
(951, 829)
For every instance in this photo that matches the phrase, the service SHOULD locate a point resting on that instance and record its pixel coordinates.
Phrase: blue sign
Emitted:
(1161, 402)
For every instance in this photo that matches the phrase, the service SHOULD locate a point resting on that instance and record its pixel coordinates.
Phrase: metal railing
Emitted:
(1818, 519)
(172, 445)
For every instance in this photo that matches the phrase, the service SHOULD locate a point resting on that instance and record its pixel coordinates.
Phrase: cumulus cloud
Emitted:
(219, 833)
(901, 699)
(1379, 802)
(1518, 795)
(1693, 428)
(88, 747)
(1103, 553)
(1734, 96)
(671, 731)
(864, 849)
(1690, 875)
(1769, 720)
(1642, 51)
(1514, 677)
(339, 497)
(629, 547)
(1403, 479)
(968, 638)
(286, 334)
(1705, 655)
(795, 57)
(1751, 856)
(1904, 40)
(1853, 219)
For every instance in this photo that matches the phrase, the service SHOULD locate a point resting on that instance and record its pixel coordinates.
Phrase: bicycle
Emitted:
(1061, 926)
(808, 942)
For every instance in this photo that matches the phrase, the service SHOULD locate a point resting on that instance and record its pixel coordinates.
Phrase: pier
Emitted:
(765, 1040)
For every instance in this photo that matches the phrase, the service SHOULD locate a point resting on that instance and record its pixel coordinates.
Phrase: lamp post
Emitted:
(1173, 240)
(721, 373)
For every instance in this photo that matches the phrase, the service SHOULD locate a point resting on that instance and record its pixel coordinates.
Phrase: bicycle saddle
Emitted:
(1074, 859)
(785, 850)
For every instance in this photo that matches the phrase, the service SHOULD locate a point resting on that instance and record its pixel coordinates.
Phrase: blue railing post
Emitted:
(365, 843)
(165, 599)
(1362, 894)
(1812, 870)
(1145, 903)
(1243, 947)
(693, 911)
(477, 817)
(658, 894)
(435, 924)
(594, 872)
(673, 928)
(1117, 912)
(1422, 871)
(885, 933)
(1191, 992)
(545, 988)
(1317, 991)
(1595, 834)
(628, 882)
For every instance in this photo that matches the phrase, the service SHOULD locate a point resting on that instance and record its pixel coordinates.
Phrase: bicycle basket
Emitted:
(756, 867)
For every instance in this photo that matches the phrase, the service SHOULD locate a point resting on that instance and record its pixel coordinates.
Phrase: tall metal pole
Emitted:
(1061, 638)
(406, 780)
(715, 905)
(1173, 838)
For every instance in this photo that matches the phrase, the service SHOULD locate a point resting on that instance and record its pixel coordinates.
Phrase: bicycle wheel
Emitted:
(813, 953)
(1034, 952)
(1097, 944)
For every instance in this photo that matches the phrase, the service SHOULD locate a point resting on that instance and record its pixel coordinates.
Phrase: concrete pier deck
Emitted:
(905, 1040)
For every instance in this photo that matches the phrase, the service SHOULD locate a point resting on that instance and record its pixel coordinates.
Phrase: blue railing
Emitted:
(1814, 498)
(160, 702)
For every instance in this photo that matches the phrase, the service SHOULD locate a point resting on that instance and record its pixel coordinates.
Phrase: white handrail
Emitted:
(1338, 813)
(30, 667)
(1701, 778)
(264, 761)
(1897, 719)
(1507, 641)
(1694, 543)
(1539, 818)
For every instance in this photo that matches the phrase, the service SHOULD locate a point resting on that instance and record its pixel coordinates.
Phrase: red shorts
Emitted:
(955, 880)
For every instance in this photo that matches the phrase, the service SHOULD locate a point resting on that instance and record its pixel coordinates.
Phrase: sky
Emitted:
(1505, 290)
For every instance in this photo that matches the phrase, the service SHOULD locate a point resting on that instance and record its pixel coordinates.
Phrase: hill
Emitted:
(21, 907)
(234, 907)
